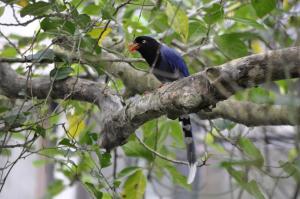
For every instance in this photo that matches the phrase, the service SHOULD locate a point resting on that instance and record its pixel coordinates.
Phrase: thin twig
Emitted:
(108, 22)
(26, 60)
(10, 42)
(21, 145)
(164, 157)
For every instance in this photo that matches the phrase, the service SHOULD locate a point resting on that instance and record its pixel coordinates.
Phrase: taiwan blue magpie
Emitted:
(168, 65)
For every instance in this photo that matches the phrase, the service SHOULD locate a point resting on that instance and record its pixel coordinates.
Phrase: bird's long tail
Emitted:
(190, 146)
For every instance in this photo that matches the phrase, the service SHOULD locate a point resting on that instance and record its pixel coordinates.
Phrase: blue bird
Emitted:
(167, 65)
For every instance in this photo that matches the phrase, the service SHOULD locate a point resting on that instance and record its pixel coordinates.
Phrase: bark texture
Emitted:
(200, 91)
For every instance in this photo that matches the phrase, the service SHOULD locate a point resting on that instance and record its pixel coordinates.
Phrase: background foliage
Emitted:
(207, 33)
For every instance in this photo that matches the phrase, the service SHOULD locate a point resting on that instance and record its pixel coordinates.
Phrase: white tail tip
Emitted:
(192, 172)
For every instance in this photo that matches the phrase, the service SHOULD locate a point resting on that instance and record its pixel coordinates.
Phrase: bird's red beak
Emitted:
(133, 47)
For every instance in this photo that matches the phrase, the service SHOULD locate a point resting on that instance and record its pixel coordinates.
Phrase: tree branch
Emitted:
(251, 114)
(200, 91)
(136, 81)
(16, 86)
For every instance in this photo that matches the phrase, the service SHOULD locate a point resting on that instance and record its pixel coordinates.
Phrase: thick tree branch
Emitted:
(16, 86)
(251, 114)
(200, 91)
(136, 81)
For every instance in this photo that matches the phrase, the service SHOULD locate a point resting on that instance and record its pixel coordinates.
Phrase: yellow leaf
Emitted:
(293, 154)
(96, 32)
(135, 186)
(209, 139)
(286, 5)
(76, 125)
(22, 3)
(256, 46)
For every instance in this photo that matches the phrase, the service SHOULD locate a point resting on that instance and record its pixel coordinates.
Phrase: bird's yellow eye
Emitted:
(144, 41)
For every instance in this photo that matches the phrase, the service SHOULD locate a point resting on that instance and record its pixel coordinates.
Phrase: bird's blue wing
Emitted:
(174, 60)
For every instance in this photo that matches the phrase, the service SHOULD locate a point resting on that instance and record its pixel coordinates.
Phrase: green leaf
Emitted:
(231, 163)
(117, 183)
(160, 21)
(210, 141)
(127, 171)
(88, 138)
(214, 13)
(66, 142)
(250, 149)
(135, 186)
(107, 11)
(261, 96)
(95, 191)
(55, 187)
(106, 196)
(92, 9)
(283, 86)
(263, 7)
(293, 154)
(35, 9)
(3, 109)
(175, 130)
(40, 162)
(51, 152)
(291, 169)
(231, 46)
(8, 52)
(239, 176)
(93, 136)
(253, 189)
(86, 163)
(83, 20)
(2, 8)
(89, 43)
(40, 130)
(197, 28)
(61, 73)
(247, 21)
(61, 6)
(245, 11)
(156, 133)
(74, 11)
(105, 160)
(6, 152)
(178, 20)
(135, 149)
(177, 177)
(50, 24)
(69, 27)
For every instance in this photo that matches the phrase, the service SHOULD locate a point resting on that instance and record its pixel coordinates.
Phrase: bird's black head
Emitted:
(143, 44)
(147, 46)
